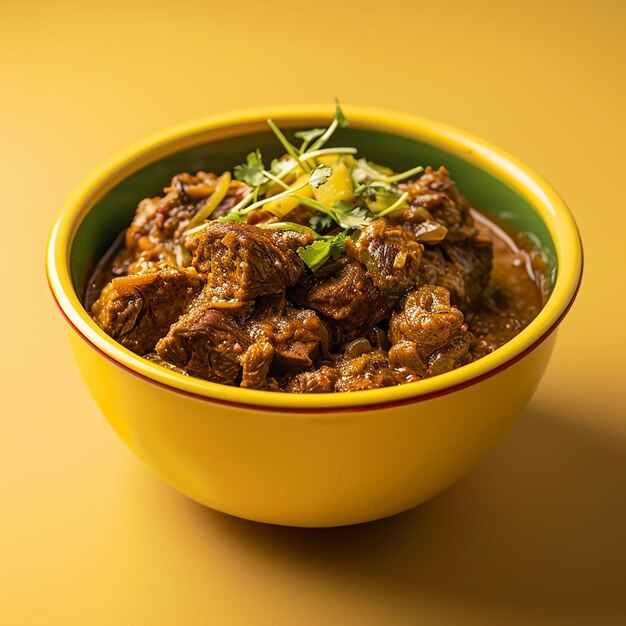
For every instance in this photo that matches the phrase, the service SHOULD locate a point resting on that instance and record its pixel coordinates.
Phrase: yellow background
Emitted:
(536, 534)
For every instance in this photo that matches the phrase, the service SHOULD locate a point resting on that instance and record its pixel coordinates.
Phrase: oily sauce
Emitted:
(517, 289)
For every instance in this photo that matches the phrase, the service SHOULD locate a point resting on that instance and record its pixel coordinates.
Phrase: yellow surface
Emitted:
(534, 535)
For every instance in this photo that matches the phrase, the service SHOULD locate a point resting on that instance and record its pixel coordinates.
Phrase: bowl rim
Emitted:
(495, 161)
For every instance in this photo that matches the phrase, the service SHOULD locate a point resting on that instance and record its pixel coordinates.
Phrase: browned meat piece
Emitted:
(159, 221)
(367, 371)
(428, 336)
(244, 262)
(321, 380)
(434, 195)
(156, 232)
(212, 344)
(344, 296)
(297, 336)
(460, 261)
(255, 362)
(452, 355)
(463, 268)
(390, 254)
(427, 318)
(137, 310)
(206, 343)
(267, 307)
(347, 298)
(371, 371)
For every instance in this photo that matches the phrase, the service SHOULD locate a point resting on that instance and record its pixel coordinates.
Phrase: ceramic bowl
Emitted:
(310, 460)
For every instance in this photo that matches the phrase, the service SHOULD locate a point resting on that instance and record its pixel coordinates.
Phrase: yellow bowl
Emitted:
(310, 460)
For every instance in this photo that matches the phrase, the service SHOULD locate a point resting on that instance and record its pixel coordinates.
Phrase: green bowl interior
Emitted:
(114, 211)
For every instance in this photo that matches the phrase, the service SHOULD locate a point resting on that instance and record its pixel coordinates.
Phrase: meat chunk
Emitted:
(371, 370)
(243, 262)
(206, 343)
(255, 363)
(390, 254)
(298, 337)
(321, 380)
(429, 335)
(138, 309)
(459, 259)
(434, 196)
(368, 371)
(157, 230)
(463, 268)
(214, 345)
(347, 298)
(163, 218)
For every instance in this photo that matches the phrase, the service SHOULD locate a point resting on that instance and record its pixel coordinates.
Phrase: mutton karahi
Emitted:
(323, 272)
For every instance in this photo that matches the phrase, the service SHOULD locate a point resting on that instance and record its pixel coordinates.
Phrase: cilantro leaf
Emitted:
(320, 175)
(282, 166)
(357, 218)
(321, 222)
(321, 250)
(315, 254)
(348, 216)
(251, 172)
(254, 174)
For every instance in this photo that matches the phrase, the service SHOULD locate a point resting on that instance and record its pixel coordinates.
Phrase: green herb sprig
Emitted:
(375, 189)
(316, 254)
